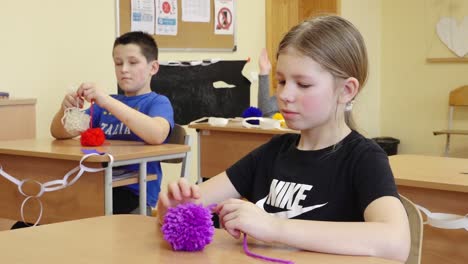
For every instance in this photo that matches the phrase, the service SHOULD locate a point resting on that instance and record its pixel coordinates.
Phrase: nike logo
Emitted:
(290, 213)
(288, 195)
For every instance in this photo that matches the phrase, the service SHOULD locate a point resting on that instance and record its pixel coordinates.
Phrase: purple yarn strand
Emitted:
(251, 254)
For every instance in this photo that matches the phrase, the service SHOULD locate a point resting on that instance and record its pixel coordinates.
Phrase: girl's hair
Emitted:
(146, 42)
(335, 44)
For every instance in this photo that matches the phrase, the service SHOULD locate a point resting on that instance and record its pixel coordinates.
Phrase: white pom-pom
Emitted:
(75, 120)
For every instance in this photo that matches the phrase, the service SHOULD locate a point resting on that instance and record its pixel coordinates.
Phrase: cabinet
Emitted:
(17, 119)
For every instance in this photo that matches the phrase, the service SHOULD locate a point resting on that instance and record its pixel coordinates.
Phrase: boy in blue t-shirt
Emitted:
(136, 115)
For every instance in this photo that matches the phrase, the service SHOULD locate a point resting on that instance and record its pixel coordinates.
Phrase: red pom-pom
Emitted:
(92, 137)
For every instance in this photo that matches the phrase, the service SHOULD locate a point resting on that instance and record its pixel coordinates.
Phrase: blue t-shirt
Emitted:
(151, 104)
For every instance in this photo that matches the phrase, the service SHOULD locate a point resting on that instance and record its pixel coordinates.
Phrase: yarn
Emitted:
(92, 137)
(75, 120)
(188, 227)
(252, 112)
(279, 116)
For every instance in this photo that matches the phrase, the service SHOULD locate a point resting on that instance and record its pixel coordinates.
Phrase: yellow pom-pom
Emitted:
(279, 116)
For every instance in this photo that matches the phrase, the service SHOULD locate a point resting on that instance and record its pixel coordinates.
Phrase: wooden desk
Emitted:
(220, 147)
(436, 183)
(18, 118)
(137, 239)
(47, 159)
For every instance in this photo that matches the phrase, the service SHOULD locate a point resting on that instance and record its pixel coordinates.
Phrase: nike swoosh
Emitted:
(289, 213)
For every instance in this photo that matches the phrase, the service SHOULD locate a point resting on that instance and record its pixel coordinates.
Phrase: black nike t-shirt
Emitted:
(332, 184)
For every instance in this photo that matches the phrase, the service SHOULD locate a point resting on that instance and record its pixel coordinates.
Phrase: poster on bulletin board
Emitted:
(187, 25)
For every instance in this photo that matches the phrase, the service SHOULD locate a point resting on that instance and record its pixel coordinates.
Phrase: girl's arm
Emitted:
(385, 232)
(215, 190)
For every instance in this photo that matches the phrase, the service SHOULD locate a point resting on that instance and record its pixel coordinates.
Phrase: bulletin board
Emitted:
(190, 35)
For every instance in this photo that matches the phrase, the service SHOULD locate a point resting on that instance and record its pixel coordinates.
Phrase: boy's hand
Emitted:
(72, 100)
(238, 216)
(177, 193)
(90, 93)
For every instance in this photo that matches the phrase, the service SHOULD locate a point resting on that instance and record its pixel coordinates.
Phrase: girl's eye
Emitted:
(281, 82)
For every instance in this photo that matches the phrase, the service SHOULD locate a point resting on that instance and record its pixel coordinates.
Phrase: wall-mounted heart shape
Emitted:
(454, 35)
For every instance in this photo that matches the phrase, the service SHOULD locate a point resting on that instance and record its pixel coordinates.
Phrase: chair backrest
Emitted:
(179, 136)
(459, 96)
(416, 230)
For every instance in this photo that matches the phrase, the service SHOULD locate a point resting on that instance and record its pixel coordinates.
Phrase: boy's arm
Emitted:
(56, 127)
(153, 130)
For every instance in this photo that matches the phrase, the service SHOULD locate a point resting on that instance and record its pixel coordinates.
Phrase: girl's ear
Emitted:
(350, 88)
(154, 67)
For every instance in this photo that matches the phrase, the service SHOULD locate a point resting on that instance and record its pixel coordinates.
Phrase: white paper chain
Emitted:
(445, 221)
(53, 185)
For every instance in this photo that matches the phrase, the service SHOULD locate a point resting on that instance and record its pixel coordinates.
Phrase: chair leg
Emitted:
(447, 145)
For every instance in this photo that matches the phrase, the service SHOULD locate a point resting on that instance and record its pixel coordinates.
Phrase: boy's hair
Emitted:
(146, 42)
(335, 44)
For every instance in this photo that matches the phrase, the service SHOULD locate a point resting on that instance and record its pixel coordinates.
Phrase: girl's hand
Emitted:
(238, 216)
(90, 93)
(177, 193)
(72, 100)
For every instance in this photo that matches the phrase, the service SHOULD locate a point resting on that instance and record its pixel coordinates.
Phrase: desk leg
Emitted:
(142, 182)
(199, 179)
(108, 191)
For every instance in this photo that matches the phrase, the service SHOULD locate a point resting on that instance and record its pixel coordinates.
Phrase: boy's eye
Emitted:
(281, 82)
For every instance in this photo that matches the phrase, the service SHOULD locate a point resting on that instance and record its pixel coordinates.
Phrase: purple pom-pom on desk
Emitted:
(188, 227)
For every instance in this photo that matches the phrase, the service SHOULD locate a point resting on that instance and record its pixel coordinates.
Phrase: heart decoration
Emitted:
(454, 35)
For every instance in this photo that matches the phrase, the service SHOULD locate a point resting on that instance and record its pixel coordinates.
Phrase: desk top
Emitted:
(432, 172)
(137, 239)
(17, 101)
(70, 149)
(237, 127)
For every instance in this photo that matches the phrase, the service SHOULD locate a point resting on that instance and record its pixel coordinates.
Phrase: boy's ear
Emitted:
(154, 67)
(350, 88)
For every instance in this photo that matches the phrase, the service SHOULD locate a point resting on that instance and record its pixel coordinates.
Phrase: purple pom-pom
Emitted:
(252, 112)
(188, 227)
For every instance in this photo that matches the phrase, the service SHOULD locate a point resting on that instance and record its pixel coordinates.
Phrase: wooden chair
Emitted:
(457, 98)
(178, 136)
(416, 230)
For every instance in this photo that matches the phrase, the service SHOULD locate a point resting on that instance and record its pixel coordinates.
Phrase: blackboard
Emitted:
(191, 35)
(191, 92)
